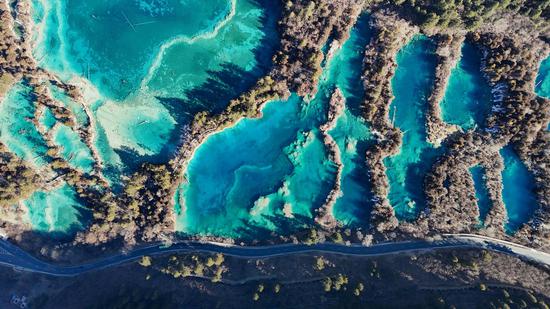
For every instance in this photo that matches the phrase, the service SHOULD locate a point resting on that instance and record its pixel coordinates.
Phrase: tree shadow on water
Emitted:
(416, 174)
(355, 87)
(218, 90)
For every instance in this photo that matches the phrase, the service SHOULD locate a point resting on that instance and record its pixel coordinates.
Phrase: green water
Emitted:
(468, 96)
(518, 186)
(17, 131)
(411, 85)
(542, 83)
(57, 211)
(483, 201)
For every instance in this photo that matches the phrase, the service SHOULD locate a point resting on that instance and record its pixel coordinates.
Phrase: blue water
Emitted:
(227, 63)
(270, 174)
(518, 186)
(145, 68)
(483, 201)
(47, 119)
(542, 81)
(411, 85)
(152, 64)
(351, 133)
(234, 169)
(75, 107)
(468, 96)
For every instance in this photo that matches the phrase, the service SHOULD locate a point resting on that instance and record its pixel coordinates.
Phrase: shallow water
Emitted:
(143, 129)
(73, 149)
(518, 186)
(542, 83)
(124, 56)
(239, 51)
(165, 60)
(114, 42)
(468, 96)
(17, 131)
(56, 211)
(75, 107)
(483, 201)
(411, 86)
(255, 160)
(351, 132)
(47, 119)
(216, 49)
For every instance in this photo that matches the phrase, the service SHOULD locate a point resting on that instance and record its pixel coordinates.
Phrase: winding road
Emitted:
(13, 256)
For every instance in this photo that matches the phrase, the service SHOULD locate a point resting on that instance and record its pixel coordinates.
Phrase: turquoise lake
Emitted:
(518, 186)
(76, 32)
(467, 100)
(272, 173)
(17, 131)
(483, 201)
(166, 60)
(239, 176)
(542, 83)
(351, 133)
(411, 85)
(138, 109)
(57, 211)
(73, 149)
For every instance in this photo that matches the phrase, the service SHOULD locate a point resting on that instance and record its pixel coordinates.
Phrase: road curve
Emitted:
(13, 256)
